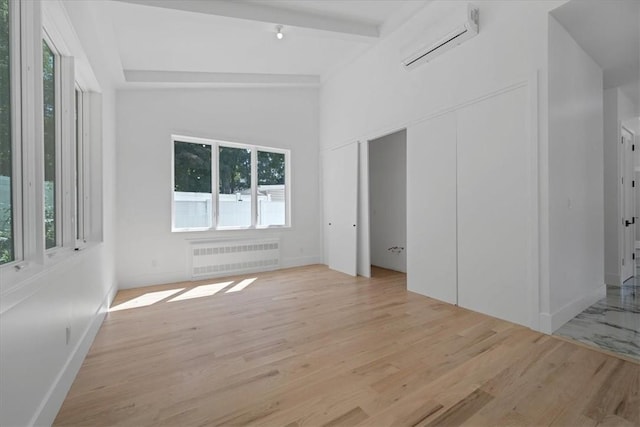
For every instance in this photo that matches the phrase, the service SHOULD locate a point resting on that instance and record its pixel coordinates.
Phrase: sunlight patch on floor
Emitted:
(243, 284)
(201, 291)
(146, 299)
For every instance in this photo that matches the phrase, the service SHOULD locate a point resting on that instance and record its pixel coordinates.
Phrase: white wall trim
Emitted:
(533, 149)
(34, 274)
(300, 261)
(381, 132)
(53, 399)
(167, 277)
(551, 322)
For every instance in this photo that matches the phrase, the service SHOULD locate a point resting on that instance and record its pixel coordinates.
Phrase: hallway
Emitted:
(612, 324)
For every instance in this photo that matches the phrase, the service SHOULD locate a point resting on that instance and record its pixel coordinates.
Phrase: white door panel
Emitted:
(494, 222)
(342, 209)
(628, 201)
(431, 208)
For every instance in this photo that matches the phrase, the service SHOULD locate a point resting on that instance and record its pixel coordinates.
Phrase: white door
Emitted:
(494, 201)
(342, 207)
(628, 204)
(431, 208)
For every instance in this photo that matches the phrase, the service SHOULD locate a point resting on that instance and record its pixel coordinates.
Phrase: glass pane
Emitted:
(6, 169)
(271, 188)
(192, 188)
(49, 92)
(234, 197)
(78, 142)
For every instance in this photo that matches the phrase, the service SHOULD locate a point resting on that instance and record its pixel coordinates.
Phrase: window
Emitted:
(248, 184)
(7, 211)
(46, 207)
(79, 172)
(51, 181)
(192, 185)
(234, 192)
(271, 188)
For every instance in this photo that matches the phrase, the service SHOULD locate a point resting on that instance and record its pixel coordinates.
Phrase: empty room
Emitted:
(319, 212)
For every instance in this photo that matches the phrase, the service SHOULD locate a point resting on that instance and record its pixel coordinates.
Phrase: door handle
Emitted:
(628, 223)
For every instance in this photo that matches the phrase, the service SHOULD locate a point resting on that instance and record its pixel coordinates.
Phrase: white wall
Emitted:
(576, 207)
(611, 188)
(388, 200)
(374, 95)
(37, 367)
(148, 252)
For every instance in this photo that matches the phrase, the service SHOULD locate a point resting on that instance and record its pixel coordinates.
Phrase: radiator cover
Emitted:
(215, 258)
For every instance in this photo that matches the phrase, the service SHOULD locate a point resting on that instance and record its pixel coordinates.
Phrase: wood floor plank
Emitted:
(310, 347)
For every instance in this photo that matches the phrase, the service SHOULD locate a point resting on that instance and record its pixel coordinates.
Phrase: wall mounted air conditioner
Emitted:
(462, 33)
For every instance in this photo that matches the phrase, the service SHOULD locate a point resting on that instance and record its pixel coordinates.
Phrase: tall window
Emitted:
(7, 252)
(271, 188)
(50, 146)
(192, 185)
(234, 193)
(247, 182)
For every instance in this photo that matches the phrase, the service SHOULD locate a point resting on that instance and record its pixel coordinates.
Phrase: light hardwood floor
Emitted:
(309, 346)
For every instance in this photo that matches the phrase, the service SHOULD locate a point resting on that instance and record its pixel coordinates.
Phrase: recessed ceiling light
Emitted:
(279, 34)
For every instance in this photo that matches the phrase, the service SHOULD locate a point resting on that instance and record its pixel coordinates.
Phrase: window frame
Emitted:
(15, 93)
(59, 143)
(215, 190)
(79, 169)
(31, 25)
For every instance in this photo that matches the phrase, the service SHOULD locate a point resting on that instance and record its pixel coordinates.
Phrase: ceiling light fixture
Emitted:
(279, 34)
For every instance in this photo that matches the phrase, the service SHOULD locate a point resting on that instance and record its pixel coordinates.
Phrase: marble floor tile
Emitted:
(613, 323)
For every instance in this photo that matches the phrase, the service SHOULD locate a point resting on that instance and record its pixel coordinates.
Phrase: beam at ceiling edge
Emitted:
(270, 14)
(209, 78)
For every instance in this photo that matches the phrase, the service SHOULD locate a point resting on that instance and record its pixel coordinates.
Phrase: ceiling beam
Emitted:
(205, 79)
(270, 14)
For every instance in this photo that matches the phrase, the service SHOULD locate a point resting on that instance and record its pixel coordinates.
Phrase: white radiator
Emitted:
(225, 257)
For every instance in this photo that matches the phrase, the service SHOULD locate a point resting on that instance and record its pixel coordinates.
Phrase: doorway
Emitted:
(628, 190)
(387, 159)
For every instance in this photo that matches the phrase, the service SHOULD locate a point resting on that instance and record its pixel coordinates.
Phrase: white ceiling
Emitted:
(609, 31)
(234, 41)
(372, 12)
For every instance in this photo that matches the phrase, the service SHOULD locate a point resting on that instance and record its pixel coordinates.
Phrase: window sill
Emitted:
(200, 230)
(18, 280)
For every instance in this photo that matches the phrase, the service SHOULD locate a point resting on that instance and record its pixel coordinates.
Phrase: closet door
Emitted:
(342, 207)
(494, 219)
(431, 208)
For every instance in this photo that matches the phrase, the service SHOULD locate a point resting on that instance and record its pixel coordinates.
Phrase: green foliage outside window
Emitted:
(49, 96)
(192, 167)
(235, 170)
(6, 168)
(270, 168)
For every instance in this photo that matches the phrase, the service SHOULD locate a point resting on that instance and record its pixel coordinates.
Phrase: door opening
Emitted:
(629, 218)
(388, 202)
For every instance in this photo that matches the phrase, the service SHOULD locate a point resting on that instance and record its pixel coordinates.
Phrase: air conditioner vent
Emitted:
(462, 33)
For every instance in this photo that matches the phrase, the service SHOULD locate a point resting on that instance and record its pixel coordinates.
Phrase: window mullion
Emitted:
(79, 168)
(254, 187)
(31, 133)
(215, 168)
(67, 151)
(16, 131)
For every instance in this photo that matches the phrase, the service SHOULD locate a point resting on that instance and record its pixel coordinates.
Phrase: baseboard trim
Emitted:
(550, 322)
(300, 261)
(175, 277)
(52, 402)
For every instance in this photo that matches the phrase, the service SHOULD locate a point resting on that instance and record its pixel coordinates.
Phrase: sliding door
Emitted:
(494, 210)
(431, 208)
(342, 207)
